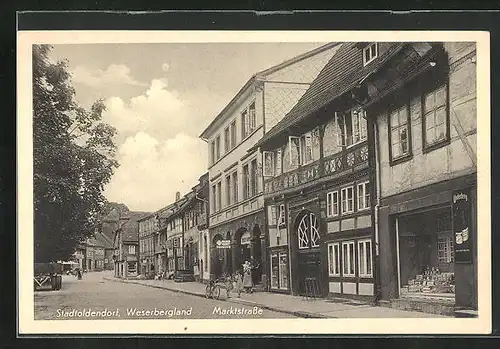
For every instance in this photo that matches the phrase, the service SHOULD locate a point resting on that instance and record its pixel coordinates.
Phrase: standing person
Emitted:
(247, 277)
(238, 283)
(228, 284)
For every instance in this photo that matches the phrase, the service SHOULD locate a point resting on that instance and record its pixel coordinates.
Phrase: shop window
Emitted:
(435, 118)
(351, 127)
(332, 203)
(348, 259)
(363, 196)
(308, 231)
(279, 270)
(399, 134)
(347, 198)
(445, 249)
(365, 258)
(370, 53)
(131, 267)
(334, 259)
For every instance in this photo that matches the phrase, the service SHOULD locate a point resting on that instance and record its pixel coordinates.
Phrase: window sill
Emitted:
(401, 159)
(428, 148)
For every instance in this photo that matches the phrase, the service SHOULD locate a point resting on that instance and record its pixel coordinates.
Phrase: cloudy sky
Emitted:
(160, 97)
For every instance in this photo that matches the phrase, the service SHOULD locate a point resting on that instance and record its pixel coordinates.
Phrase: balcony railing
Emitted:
(345, 161)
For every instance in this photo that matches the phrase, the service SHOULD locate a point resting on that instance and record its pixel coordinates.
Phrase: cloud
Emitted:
(158, 112)
(151, 171)
(115, 74)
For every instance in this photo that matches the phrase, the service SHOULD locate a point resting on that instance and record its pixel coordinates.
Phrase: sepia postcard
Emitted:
(253, 182)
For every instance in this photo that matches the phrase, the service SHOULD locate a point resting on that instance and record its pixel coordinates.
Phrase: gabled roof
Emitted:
(342, 73)
(261, 75)
(130, 227)
(103, 240)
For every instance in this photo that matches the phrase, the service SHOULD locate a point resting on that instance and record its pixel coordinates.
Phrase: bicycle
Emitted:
(213, 289)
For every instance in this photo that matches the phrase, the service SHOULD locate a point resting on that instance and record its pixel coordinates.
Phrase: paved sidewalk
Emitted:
(295, 305)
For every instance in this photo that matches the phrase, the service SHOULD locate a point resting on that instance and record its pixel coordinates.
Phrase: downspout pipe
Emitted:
(376, 210)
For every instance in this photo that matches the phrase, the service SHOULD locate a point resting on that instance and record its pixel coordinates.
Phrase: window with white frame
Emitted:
(272, 214)
(278, 165)
(435, 116)
(370, 52)
(248, 120)
(281, 215)
(351, 127)
(212, 152)
(246, 181)
(347, 200)
(294, 149)
(235, 187)
(399, 121)
(268, 163)
(306, 150)
(233, 134)
(365, 258)
(217, 148)
(227, 141)
(348, 259)
(332, 203)
(334, 259)
(228, 190)
(363, 196)
(131, 249)
(219, 196)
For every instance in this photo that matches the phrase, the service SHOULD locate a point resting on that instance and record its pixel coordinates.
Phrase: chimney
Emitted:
(177, 196)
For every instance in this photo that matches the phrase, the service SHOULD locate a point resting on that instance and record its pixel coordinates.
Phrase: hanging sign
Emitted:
(462, 230)
(245, 238)
(223, 244)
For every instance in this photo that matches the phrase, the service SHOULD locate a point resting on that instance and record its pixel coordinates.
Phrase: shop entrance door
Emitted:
(309, 262)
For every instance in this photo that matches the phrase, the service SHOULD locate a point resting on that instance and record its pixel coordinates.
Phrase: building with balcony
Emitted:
(317, 187)
(237, 230)
(421, 107)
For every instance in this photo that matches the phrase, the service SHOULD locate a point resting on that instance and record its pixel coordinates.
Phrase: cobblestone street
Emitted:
(119, 300)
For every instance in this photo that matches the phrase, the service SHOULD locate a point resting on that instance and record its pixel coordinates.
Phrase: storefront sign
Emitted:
(245, 238)
(223, 244)
(462, 230)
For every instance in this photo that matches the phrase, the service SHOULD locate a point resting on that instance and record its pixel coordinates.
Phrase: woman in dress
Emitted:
(238, 283)
(247, 277)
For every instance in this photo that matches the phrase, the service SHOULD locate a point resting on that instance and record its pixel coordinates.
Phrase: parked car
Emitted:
(183, 276)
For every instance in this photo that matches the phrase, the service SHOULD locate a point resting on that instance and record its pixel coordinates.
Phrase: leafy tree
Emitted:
(74, 158)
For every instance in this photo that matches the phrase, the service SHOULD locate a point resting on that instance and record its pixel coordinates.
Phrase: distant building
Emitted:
(126, 245)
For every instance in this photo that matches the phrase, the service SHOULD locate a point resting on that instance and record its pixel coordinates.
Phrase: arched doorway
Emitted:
(217, 257)
(308, 244)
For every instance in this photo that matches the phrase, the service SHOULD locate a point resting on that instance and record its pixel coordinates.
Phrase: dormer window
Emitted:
(370, 52)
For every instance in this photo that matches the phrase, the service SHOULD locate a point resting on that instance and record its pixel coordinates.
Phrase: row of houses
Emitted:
(353, 167)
